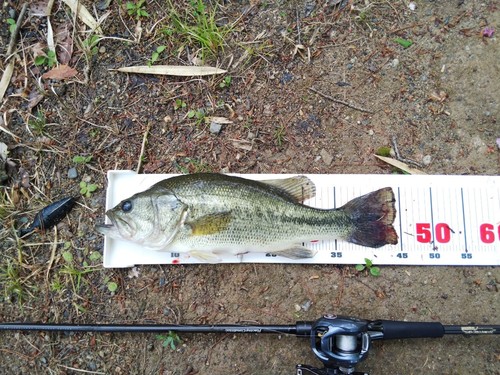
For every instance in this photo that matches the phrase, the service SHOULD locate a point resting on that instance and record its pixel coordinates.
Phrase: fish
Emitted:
(49, 216)
(208, 214)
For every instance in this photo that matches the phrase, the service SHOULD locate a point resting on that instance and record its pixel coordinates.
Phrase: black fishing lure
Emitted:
(49, 216)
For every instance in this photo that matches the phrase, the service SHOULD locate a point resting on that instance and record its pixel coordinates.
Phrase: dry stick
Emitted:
(340, 101)
(143, 147)
(13, 37)
(9, 69)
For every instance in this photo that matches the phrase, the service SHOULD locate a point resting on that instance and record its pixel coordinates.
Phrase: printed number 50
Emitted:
(442, 232)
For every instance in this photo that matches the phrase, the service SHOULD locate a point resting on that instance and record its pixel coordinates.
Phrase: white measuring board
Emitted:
(440, 220)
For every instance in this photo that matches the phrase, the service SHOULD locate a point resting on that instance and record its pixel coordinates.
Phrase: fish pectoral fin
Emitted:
(209, 224)
(296, 252)
(299, 188)
(205, 257)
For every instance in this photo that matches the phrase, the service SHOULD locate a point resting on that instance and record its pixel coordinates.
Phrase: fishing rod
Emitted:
(339, 342)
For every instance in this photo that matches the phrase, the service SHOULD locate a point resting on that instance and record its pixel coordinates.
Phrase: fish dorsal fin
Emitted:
(299, 188)
(209, 224)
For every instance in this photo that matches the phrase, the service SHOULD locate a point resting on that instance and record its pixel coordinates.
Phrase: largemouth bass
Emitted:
(209, 214)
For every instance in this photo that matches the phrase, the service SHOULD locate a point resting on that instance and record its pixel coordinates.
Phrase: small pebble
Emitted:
(395, 63)
(215, 127)
(325, 155)
(102, 49)
(72, 173)
(306, 305)
(426, 160)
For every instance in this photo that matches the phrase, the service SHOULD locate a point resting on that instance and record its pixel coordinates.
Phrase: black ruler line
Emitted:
(432, 218)
(335, 206)
(463, 218)
(400, 223)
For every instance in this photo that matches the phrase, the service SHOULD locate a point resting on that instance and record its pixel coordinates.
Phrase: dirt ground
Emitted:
(437, 98)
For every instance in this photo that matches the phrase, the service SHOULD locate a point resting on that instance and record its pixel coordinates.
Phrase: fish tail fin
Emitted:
(372, 215)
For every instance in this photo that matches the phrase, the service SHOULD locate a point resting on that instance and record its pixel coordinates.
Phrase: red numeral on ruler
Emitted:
(487, 233)
(442, 232)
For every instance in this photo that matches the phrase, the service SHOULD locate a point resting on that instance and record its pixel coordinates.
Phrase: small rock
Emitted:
(102, 49)
(72, 173)
(395, 63)
(325, 155)
(297, 307)
(426, 160)
(306, 305)
(92, 366)
(215, 127)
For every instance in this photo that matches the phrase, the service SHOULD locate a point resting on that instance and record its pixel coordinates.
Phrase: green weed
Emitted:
(374, 271)
(156, 55)
(198, 115)
(137, 9)
(76, 274)
(169, 340)
(179, 104)
(226, 82)
(197, 26)
(12, 283)
(90, 45)
(12, 25)
(279, 135)
(80, 159)
(38, 123)
(87, 189)
(48, 59)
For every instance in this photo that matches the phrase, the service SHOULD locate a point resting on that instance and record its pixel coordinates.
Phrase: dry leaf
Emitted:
(218, 120)
(39, 9)
(34, 98)
(400, 165)
(65, 43)
(173, 70)
(83, 14)
(242, 144)
(60, 72)
(6, 76)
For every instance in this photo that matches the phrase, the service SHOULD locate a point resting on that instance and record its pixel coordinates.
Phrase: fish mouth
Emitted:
(105, 228)
(117, 229)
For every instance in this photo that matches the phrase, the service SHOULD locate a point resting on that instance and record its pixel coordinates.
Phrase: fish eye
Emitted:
(126, 206)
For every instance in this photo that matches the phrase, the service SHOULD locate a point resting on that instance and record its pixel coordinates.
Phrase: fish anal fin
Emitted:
(299, 188)
(296, 252)
(210, 224)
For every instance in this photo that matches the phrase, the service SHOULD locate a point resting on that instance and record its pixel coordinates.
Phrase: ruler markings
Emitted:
(463, 218)
(432, 220)
(400, 225)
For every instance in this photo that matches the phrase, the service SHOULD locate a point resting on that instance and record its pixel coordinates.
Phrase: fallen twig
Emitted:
(143, 148)
(9, 68)
(399, 157)
(340, 101)
(13, 37)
